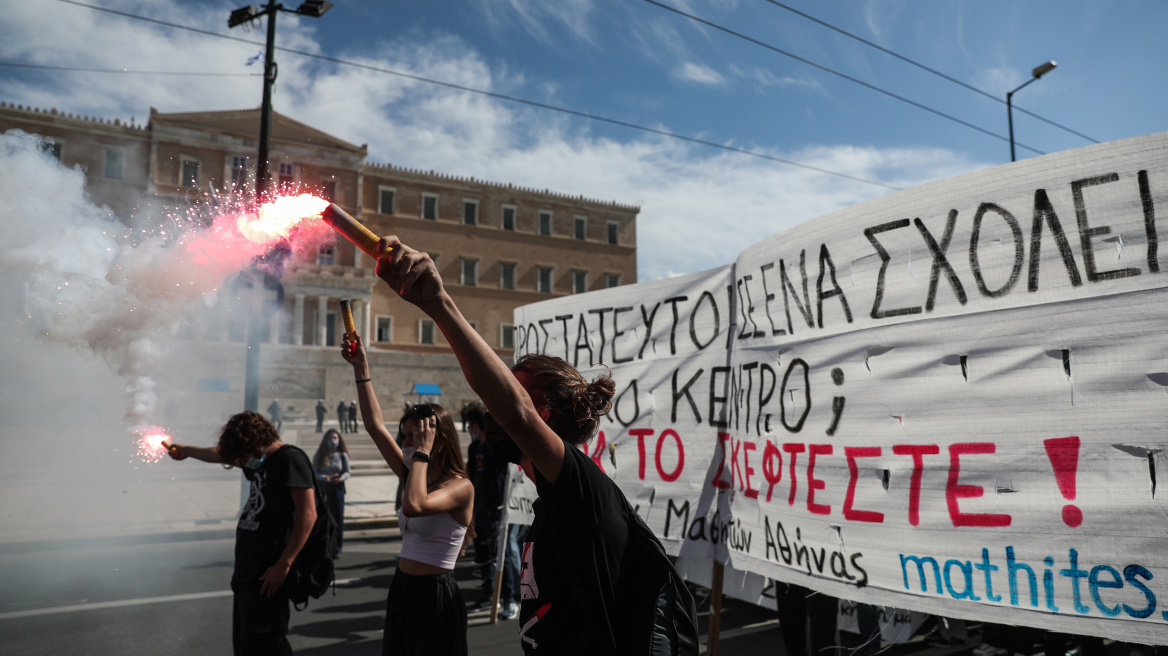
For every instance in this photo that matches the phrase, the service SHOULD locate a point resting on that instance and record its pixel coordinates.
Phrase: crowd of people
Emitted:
(587, 577)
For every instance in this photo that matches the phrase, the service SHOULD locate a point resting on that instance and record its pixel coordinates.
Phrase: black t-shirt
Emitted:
(581, 523)
(266, 522)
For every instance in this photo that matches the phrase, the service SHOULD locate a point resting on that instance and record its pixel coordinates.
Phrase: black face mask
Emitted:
(500, 442)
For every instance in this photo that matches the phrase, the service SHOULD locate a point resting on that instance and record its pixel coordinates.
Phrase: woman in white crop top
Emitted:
(425, 613)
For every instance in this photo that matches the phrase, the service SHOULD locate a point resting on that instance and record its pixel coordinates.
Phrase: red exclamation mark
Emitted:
(1064, 458)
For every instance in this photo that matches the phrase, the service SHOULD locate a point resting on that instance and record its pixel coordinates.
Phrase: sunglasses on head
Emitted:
(422, 411)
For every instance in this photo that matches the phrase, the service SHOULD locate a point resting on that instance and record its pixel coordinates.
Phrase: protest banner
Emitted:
(946, 400)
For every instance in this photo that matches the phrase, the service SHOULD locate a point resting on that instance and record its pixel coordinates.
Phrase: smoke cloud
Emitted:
(76, 276)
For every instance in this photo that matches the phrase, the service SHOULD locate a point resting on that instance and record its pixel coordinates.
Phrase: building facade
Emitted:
(497, 246)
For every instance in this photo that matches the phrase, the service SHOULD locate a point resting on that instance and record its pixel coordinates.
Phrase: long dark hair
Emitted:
(575, 405)
(319, 460)
(243, 435)
(447, 458)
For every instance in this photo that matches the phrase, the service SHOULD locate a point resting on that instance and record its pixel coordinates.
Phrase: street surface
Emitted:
(101, 553)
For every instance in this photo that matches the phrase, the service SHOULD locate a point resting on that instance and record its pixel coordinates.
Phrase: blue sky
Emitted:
(633, 61)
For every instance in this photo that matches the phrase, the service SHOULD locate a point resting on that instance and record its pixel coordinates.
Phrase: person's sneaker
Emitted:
(483, 606)
(510, 611)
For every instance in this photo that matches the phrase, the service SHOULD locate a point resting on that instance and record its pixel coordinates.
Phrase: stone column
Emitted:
(274, 327)
(357, 254)
(368, 320)
(359, 318)
(322, 321)
(298, 321)
(224, 321)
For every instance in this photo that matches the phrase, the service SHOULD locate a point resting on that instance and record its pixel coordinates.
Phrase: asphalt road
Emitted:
(169, 593)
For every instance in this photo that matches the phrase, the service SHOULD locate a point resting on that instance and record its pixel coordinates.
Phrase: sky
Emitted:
(637, 62)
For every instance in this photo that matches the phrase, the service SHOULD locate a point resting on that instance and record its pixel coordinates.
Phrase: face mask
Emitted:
(255, 463)
(408, 454)
(334, 444)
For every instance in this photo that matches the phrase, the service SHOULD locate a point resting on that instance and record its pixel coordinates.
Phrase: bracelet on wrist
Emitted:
(363, 380)
(422, 456)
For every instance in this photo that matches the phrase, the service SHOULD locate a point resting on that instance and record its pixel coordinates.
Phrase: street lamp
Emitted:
(1038, 72)
(241, 16)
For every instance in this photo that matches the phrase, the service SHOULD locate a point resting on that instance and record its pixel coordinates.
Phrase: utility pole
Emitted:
(256, 279)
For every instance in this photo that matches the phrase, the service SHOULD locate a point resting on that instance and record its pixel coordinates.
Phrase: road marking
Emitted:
(127, 602)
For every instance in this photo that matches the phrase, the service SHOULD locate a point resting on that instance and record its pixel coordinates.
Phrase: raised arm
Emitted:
(413, 276)
(353, 351)
(204, 453)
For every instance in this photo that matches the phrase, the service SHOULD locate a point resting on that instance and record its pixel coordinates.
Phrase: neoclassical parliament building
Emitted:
(497, 245)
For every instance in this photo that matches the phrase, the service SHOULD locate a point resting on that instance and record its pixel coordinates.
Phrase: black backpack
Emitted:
(312, 571)
(670, 626)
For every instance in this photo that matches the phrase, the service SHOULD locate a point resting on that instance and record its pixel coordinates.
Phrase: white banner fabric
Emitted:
(946, 400)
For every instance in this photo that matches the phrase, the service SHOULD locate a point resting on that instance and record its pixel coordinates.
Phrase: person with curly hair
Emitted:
(273, 527)
(587, 584)
(331, 464)
(425, 612)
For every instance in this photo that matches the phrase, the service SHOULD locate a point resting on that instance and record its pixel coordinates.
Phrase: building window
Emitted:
(506, 336)
(52, 148)
(580, 228)
(543, 280)
(238, 171)
(429, 207)
(508, 218)
(114, 163)
(385, 329)
(287, 179)
(579, 282)
(385, 200)
(190, 173)
(545, 223)
(613, 232)
(470, 212)
(612, 280)
(326, 254)
(426, 331)
(507, 276)
(470, 272)
(329, 190)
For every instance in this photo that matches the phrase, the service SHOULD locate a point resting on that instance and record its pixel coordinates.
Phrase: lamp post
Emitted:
(1038, 72)
(315, 9)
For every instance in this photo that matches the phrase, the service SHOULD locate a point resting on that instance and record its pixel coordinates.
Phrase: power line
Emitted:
(498, 96)
(126, 71)
(926, 68)
(835, 72)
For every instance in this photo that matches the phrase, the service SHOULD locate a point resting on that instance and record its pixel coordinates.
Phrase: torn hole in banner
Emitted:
(958, 360)
(875, 351)
(1144, 453)
(1117, 241)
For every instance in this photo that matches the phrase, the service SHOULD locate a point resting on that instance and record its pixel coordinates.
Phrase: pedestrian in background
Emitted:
(273, 527)
(321, 411)
(342, 417)
(353, 417)
(274, 413)
(488, 512)
(331, 464)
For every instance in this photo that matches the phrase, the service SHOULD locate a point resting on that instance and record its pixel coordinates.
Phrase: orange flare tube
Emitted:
(361, 236)
(347, 316)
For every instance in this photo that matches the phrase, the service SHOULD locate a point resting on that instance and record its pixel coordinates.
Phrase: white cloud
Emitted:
(683, 189)
(698, 74)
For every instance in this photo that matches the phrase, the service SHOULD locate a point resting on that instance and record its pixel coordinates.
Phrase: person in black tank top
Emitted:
(578, 562)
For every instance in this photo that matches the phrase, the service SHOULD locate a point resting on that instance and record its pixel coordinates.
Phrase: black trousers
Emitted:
(424, 616)
(486, 546)
(334, 500)
(259, 624)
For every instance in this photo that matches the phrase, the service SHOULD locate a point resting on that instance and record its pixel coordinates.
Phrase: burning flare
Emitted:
(153, 443)
(279, 218)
